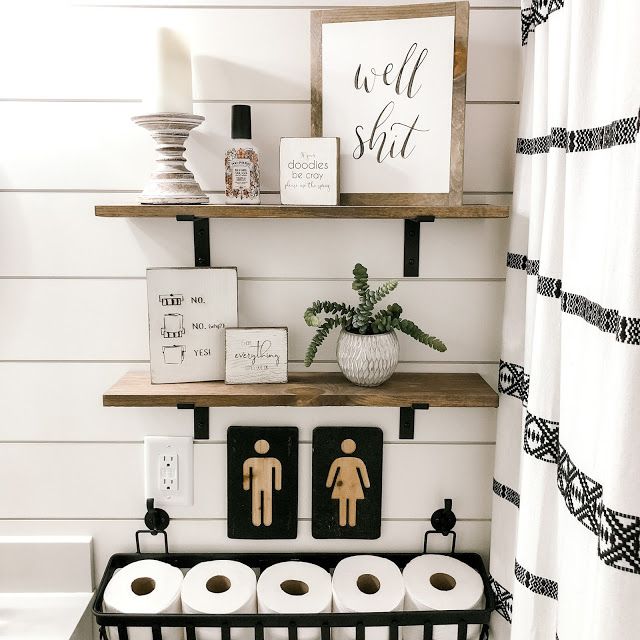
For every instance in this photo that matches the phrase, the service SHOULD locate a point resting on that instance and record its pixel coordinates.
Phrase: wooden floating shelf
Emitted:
(285, 211)
(134, 389)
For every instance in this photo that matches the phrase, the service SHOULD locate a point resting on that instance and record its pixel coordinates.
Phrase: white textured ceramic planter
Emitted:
(367, 360)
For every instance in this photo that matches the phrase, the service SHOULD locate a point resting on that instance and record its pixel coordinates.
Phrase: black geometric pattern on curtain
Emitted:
(541, 438)
(619, 540)
(616, 133)
(618, 533)
(549, 287)
(504, 599)
(625, 328)
(506, 493)
(513, 381)
(536, 584)
(536, 14)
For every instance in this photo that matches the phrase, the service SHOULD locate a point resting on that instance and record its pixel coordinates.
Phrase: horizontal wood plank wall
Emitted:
(74, 317)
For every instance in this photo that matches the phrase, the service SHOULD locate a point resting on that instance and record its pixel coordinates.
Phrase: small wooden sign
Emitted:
(262, 482)
(256, 355)
(347, 482)
(309, 170)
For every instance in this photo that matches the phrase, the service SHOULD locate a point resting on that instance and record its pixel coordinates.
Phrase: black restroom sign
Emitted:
(262, 482)
(347, 482)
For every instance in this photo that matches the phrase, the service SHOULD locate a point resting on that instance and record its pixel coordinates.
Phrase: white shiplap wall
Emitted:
(72, 286)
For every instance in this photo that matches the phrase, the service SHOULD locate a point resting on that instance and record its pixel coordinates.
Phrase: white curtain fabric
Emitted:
(565, 550)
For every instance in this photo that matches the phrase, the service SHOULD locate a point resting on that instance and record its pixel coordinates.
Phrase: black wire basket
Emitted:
(394, 620)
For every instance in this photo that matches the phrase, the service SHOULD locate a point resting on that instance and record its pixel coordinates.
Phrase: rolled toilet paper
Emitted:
(366, 583)
(146, 586)
(294, 587)
(441, 582)
(220, 586)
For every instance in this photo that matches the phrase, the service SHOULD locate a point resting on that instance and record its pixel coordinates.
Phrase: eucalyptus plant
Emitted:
(363, 319)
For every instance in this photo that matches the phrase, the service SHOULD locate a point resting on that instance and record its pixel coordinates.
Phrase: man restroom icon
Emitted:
(262, 476)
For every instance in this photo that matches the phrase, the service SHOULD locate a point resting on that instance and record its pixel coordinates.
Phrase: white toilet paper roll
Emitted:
(294, 587)
(220, 586)
(146, 586)
(366, 583)
(441, 582)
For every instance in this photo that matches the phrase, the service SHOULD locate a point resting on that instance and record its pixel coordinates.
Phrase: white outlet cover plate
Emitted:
(157, 447)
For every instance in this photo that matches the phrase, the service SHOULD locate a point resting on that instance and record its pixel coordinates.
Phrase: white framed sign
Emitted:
(390, 83)
(309, 171)
(189, 311)
(256, 355)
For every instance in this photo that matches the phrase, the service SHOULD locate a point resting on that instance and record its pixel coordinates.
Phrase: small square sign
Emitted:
(309, 170)
(256, 355)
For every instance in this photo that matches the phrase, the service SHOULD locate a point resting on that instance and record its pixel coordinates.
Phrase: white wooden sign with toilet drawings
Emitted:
(189, 311)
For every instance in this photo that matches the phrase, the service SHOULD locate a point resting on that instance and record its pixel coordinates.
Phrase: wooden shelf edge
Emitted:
(393, 212)
(134, 389)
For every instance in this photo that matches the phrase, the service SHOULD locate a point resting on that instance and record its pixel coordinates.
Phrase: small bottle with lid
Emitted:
(242, 173)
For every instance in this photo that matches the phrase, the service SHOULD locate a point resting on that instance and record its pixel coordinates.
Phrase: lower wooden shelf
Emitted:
(134, 389)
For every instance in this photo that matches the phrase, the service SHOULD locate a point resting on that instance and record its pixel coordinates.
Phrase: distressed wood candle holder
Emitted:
(171, 182)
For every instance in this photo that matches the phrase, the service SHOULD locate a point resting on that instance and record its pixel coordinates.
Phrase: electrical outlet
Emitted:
(168, 470)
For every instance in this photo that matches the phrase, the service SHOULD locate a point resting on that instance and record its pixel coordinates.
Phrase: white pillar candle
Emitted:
(169, 76)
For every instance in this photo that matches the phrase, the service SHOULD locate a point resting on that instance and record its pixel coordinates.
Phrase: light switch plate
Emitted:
(168, 470)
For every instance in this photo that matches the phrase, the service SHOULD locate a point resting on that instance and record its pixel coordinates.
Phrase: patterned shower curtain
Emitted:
(565, 549)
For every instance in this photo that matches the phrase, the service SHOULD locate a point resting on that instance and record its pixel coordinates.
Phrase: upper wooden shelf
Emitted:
(287, 211)
(134, 389)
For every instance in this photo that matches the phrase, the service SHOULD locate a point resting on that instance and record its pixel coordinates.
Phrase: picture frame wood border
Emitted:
(460, 10)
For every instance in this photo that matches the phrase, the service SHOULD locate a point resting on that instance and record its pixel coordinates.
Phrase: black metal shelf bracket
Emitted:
(406, 430)
(412, 245)
(201, 245)
(200, 420)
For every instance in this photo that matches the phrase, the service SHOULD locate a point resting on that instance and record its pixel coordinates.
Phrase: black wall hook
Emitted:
(443, 521)
(156, 520)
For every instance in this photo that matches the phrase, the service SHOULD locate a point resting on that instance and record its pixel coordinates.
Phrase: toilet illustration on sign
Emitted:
(348, 478)
(171, 299)
(174, 354)
(262, 476)
(173, 325)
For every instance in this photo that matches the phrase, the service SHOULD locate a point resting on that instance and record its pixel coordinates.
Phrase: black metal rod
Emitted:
(428, 631)
(156, 633)
(360, 631)
(191, 633)
(462, 631)
(122, 633)
(293, 631)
